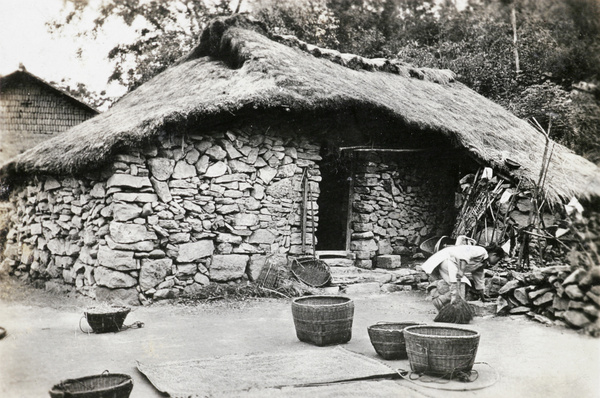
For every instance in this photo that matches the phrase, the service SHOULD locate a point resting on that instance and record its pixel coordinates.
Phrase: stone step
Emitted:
(353, 275)
(338, 262)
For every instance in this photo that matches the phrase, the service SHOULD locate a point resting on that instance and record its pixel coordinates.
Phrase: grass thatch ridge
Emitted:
(236, 67)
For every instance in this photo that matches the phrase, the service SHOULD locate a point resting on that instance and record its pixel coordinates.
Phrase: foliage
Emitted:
(166, 29)
(558, 43)
(81, 92)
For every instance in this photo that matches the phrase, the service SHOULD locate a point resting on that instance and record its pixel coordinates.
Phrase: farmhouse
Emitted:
(32, 111)
(252, 145)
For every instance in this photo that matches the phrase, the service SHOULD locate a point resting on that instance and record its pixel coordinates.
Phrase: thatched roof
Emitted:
(236, 67)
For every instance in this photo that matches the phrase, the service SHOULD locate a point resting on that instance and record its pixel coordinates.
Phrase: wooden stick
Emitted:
(304, 211)
(369, 149)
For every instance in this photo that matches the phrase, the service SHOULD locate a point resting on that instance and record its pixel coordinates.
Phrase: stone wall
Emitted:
(399, 199)
(167, 219)
(194, 209)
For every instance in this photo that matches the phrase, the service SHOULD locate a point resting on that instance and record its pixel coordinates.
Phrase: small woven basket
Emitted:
(441, 350)
(105, 385)
(323, 320)
(312, 271)
(388, 340)
(105, 320)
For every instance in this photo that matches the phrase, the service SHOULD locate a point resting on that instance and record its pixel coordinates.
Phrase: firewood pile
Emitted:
(552, 270)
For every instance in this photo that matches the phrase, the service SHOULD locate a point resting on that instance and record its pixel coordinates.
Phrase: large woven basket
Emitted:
(388, 340)
(323, 320)
(441, 350)
(105, 385)
(106, 319)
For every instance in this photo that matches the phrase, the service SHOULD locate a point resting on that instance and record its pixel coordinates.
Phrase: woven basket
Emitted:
(388, 340)
(105, 385)
(312, 271)
(323, 320)
(441, 350)
(104, 320)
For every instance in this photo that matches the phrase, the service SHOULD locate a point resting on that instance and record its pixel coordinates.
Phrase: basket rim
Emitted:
(117, 309)
(414, 330)
(381, 326)
(127, 379)
(345, 300)
(297, 262)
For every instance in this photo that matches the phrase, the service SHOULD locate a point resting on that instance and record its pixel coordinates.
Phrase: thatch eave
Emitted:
(236, 69)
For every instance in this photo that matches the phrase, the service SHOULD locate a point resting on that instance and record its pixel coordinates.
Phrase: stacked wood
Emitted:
(559, 295)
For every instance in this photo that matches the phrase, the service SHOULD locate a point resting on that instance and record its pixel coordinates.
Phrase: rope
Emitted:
(426, 380)
(134, 325)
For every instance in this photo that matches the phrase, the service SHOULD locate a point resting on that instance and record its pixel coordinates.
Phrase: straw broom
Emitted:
(457, 312)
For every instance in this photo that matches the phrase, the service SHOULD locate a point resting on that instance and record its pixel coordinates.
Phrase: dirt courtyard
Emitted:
(45, 345)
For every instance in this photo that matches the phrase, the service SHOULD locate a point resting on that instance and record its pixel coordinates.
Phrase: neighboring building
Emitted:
(32, 111)
(200, 173)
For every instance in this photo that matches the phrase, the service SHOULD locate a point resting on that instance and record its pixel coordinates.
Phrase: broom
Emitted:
(458, 312)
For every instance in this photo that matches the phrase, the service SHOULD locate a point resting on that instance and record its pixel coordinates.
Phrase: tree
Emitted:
(166, 29)
(558, 44)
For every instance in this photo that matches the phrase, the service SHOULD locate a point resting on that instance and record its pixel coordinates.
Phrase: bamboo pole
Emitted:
(513, 21)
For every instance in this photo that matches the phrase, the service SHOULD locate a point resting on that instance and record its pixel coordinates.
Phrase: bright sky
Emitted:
(25, 39)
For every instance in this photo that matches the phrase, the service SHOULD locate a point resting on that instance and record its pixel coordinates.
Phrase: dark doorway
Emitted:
(333, 199)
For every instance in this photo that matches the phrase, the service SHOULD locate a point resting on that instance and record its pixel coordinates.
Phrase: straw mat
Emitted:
(235, 373)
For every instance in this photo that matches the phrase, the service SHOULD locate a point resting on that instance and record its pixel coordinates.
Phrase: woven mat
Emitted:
(218, 375)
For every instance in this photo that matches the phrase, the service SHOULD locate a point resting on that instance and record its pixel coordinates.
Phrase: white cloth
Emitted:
(472, 256)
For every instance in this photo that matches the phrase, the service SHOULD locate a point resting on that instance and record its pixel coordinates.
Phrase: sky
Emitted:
(24, 38)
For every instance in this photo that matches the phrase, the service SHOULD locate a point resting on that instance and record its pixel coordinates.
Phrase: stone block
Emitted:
(363, 288)
(262, 236)
(161, 168)
(116, 259)
(130, 233)
(281, 189)
(389, 261)
(125, 211)
(186, 269)
(190, 252)
(113, 279)
(363, 245)
(483, 309)
(544, 299)
(127, 181)
(576, 319)
(228, 267)
(153, 272)
(216, 170)
(366, 264)
(574, 292)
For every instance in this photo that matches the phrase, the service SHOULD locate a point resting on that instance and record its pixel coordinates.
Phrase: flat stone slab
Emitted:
(483, 309)
(352, 275)
(338, 262)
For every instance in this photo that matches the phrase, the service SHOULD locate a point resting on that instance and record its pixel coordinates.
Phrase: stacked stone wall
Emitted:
(398, 201)
(168, 219)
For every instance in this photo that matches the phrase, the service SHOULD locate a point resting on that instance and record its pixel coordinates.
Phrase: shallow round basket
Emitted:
(106, 319)
(105, 385)
(441, 350)
(312, 271)
(323, 320)
(388, 340)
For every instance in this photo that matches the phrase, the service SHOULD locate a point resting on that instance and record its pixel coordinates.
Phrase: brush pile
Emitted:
(458, 312)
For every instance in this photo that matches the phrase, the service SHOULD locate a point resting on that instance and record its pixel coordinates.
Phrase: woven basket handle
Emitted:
(80, 328)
